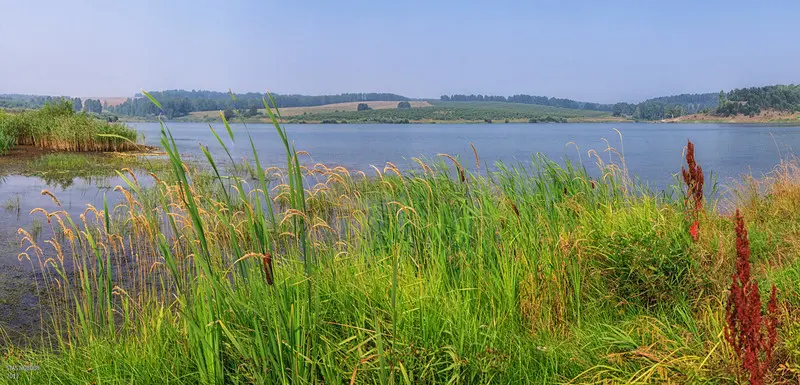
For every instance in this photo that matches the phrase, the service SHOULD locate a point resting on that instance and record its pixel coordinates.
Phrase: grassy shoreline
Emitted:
(530, 274)
(606, 119)
(266, 120)
(57, 127)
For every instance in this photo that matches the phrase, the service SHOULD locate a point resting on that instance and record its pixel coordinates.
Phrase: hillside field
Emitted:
(429, 111)
(456, 112)
(327, 108)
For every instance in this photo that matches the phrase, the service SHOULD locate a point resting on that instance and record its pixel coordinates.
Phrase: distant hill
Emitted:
(26, 101)
(667, 107)
(691, 103)
(179, 103)
(456, 112)
(529, 99)
(303, 111)
(109, 101)
(754, 100)
(652, 109)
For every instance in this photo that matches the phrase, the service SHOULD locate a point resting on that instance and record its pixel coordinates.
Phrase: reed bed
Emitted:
(303, 273)
(57, 127)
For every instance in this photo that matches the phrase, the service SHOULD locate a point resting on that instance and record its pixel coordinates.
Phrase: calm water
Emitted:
(653, 152)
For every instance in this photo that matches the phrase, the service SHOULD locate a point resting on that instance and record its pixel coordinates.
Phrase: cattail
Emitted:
(267, 262)
(748, 333)
(477, 160)
(513, 207)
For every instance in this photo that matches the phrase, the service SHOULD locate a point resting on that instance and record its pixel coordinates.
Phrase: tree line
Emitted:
(178, 103)
(751, 101)
(18, 101)
(27, 101)
(528, 99)
(667, 107)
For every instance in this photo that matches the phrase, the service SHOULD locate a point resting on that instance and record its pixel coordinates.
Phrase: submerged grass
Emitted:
(63, 168)
(534, 273)
(89, 165)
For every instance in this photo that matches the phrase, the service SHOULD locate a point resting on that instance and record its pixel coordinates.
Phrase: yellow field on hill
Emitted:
(352, 106)
(294, 111)
(112, 100)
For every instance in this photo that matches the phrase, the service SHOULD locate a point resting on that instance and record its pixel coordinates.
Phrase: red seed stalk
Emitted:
(751, 336)
(693, 177)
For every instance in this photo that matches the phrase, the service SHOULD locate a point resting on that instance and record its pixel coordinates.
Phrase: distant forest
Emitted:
(177, 103)
(17, 101)
(667, 106)
(651, 109)
(751, 101)
(528, 99)
(27, 101)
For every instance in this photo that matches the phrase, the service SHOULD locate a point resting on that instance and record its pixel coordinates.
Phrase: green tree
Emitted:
(362, 107)
(93, 105)
(228, 113)
(404, 105)
(77, 105)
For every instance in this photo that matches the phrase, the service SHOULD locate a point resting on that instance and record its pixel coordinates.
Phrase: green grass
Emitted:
(7, 139)
(452, 112)
(444, 112)
(521, 108)
(57, 127)
(530, 274)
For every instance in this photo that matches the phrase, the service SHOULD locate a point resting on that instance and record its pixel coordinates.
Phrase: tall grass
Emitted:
(533, 273)
(7, 139)
(56, 127)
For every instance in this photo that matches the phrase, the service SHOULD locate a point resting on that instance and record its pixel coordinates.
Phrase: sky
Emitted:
(588, 50)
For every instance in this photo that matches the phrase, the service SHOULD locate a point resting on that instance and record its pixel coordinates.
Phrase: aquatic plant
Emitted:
(57, 127)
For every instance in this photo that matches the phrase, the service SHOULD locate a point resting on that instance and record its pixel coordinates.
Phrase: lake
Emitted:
(653, 152)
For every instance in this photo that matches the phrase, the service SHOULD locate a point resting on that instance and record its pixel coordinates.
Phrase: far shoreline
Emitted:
(719, 120)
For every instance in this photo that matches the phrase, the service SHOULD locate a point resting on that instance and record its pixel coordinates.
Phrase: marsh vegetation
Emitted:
(448, 273)
(57, 127)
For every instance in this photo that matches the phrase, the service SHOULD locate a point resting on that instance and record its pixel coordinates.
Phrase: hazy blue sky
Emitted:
(592, 50)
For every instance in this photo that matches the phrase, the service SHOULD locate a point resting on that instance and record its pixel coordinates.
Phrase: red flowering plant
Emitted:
(751, 336)
(693, 177)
